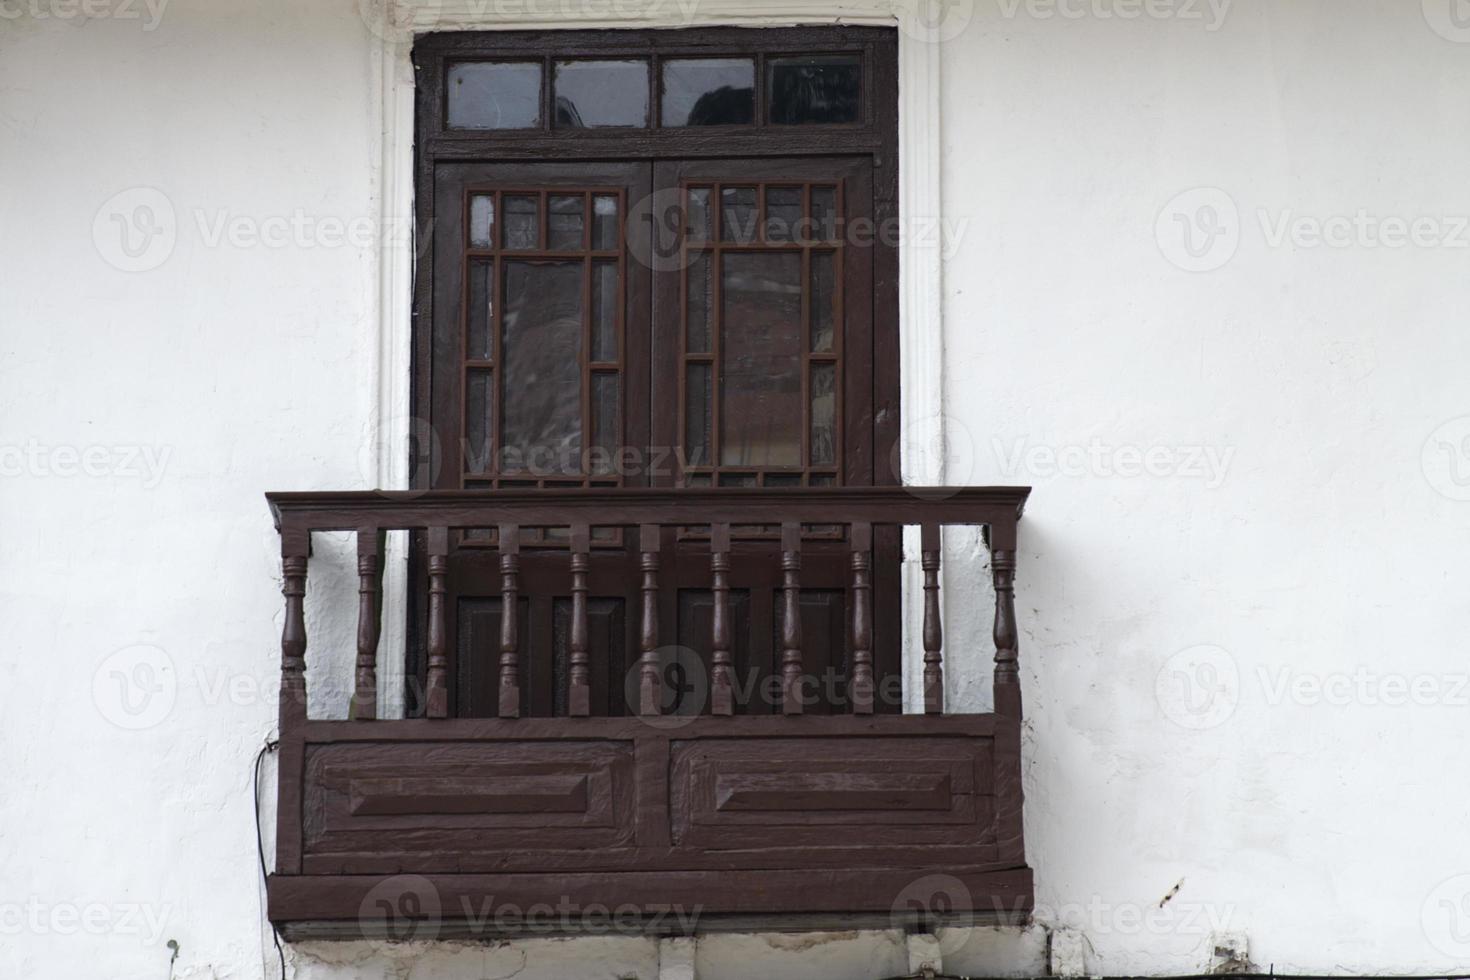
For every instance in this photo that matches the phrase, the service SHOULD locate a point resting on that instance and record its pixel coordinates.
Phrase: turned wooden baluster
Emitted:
(436, 694)
(861, 685)
(365, 689)
(510, 588)
(295, 546)
(722, 694)
(579, 695)
(929, 547)
(1007, 676)
(791, 665)
(649, 694)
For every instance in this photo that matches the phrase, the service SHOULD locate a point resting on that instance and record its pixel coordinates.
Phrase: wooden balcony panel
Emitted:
(449, 827)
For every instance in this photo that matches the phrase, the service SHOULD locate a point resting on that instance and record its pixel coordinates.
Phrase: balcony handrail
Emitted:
(996, 507)
(442, 512)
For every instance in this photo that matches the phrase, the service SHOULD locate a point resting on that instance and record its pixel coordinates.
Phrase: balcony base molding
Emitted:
(518, 906)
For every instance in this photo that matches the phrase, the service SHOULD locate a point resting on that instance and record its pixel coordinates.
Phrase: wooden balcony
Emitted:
(716, 816)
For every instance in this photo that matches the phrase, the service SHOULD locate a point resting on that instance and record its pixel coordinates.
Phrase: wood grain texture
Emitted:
(369, 624)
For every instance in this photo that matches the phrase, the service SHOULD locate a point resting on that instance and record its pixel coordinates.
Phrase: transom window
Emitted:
(805, 89)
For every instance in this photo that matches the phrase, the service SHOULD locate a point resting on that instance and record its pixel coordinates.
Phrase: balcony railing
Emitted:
(790, 819)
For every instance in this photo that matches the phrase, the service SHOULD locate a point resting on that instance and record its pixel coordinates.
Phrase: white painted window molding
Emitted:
(923, 25)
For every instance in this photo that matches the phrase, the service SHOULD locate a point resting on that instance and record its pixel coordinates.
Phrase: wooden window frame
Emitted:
(875, 137)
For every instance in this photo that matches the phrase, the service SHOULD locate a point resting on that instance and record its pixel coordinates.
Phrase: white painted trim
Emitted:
(392, 368)
(921, 288)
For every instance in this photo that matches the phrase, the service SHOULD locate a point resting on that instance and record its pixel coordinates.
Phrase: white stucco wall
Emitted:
(1245, 679)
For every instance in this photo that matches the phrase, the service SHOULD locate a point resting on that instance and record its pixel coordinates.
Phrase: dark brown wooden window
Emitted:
(655, 258)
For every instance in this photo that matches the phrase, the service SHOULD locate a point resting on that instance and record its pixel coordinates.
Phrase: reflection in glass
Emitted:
(494, 95)
(700, 285)
(737, 214)
(482, 216)
(605, 311)
(696, 221)
(823, 288)
(783, 213)
(709, 92)
(814, 89)
(479, 421)
(824, 414)
(478, 342)
(763, 340)
(604, 222)
(541, 344)
(824, 214)
(601, 93)
(697, 432)
(564, 222)
(521, 223)
(606, 422)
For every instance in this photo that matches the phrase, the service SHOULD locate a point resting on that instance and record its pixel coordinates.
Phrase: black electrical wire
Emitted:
(269, 746)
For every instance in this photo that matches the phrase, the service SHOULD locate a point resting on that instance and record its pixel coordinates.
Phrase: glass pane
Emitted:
(604, 222)
(697, 480)
(763, 342)
(782, 480)
(700, 286)
(606, 422)
(697, 415)
(521, 222)
(601, 93)
(696, 224)
(494, 95)
(824, 213)
(783, 213)
(737, 479)
(604, 311)
(709, 92)
(823, 480)
(479, 420)
(482, 216)
(824, 414)
(478, 343)
(823, 289)
(737, 214)
(815, 89)
(541, 424)
(564, 219)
